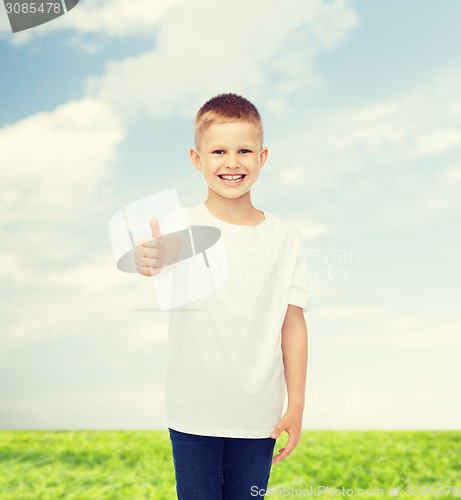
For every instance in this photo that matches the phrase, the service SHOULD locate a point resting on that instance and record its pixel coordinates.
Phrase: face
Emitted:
(229, 149)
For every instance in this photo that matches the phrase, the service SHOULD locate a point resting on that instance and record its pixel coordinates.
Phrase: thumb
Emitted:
(154, 227)
(276, 432)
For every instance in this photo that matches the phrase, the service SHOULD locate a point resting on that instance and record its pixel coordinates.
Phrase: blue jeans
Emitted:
(220, 468)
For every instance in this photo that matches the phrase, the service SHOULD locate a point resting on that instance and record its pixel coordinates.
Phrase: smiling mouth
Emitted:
(233, 177)
(232, 181)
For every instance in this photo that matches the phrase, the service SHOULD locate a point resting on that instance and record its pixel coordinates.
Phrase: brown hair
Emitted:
(225, 108)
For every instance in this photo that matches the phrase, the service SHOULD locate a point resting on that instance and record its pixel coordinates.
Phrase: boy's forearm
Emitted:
(294, 348)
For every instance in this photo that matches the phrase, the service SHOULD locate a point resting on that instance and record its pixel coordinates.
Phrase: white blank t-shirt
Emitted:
(224, 373)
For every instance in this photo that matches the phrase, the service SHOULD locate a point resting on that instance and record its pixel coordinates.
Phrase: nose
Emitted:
(232, 160)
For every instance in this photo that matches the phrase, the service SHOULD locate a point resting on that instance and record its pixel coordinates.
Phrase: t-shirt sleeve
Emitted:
(299, 293)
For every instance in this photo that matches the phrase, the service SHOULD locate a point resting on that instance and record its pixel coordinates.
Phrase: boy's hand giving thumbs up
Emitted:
(152, 254)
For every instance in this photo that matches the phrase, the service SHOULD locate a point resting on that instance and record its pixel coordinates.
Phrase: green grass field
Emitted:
(129, 465)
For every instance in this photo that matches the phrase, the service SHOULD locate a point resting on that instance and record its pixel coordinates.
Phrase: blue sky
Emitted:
(362, 117)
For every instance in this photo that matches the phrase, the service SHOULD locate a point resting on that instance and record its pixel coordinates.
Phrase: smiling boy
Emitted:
(234, 353)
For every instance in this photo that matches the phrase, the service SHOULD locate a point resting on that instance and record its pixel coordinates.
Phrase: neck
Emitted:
(232, 209)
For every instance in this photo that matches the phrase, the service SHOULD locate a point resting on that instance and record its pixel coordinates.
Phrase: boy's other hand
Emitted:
(291, 423)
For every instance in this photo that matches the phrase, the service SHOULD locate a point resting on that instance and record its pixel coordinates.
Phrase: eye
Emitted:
(246, 150)
(218, 151)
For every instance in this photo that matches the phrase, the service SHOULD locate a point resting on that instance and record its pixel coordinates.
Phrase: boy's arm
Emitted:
(294, 348)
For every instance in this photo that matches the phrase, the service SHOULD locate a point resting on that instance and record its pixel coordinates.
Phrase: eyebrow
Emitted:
(218, 146)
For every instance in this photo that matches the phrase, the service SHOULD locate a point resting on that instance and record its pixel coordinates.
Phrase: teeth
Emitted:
(232, 177)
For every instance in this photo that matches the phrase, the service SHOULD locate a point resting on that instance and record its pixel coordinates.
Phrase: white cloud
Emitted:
(5, 27)
(117, 18)
(388, 328)
(447, 334)
(440, 198)
(197, 33)
(103, 18)
(53, 162)
(436, 141)
(204, 49)
(147, 331)
(76, 295)
(443, 198)
(389, 133)
(452, 174)
(366, 152)
(55, 166)
(363, 405)
(348, 313)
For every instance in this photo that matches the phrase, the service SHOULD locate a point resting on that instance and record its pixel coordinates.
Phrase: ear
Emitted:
(195, 157)
(263, 156)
